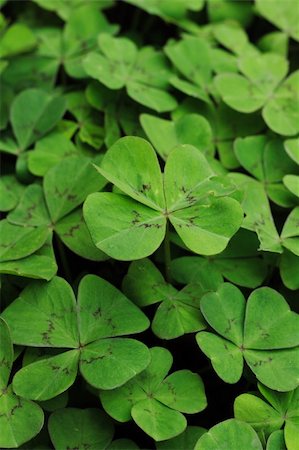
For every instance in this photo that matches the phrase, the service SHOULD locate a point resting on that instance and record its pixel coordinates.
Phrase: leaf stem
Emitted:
(167, 254)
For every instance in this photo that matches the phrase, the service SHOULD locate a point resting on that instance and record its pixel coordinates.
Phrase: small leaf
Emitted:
(109, 363)
(127, 230)
(47, 378)
(20, 419)
(34, 112)
(226, 358)
(177, 392)
(44, 315)
(157, 420)
(105, 312)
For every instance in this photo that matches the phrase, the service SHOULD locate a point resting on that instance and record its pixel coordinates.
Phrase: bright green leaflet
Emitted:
(49, 151)
(178, 312)
(281, 409)
(255, 89)
(90, 328)
(20, 419)
(128, 230)
(71, 427)
(231, 434)
(33, 113)
(192, 57)
(17, 242)
(144, 73)
(190, 129)
(264, 331)
(40, 265)
(285, 15)
(155, 402)
(17, 39)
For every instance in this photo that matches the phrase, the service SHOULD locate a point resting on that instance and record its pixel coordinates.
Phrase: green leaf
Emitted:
(283, 15)
(68, 183)
(128, 230)
(6, 354)
(44, 315)
(269, 323)
(49, 151)
(105, 312)
(47, 378)
(190, 129)
(226, 358)
(74, 233)
(109, 363)
(158, 421)
(177, 392)
(261, 416)
(289, 266)
(33, 113)
(231, 434)
(20, 419)
(72, 427)
(39, 265)
(132, 165)
(10, 192)
(229, 304)
(17, 242)
(199, 231)
(17, 39)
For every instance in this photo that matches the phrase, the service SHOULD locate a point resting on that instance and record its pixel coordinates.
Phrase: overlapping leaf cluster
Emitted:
(149, 237)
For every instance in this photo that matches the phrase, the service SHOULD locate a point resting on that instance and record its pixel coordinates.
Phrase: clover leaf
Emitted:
(156, 401)
(133, 228)
(231, 434)
(48, 316)
(34, 112)
(20, 419)
(261, 85)
(264, 332)
(281, 14)
(80, 428)
(179, 311)
(144, 73)
(55, 207)
(271, 413)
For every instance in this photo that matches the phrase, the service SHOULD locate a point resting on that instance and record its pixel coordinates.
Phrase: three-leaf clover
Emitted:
(20, 419)
(47, 315)
(33, 113)
(156, 401)
(270, 413)
(133, 226)
(262, 85)
(262, 331)
(144, 73)
(178, 312)
(53, 206)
